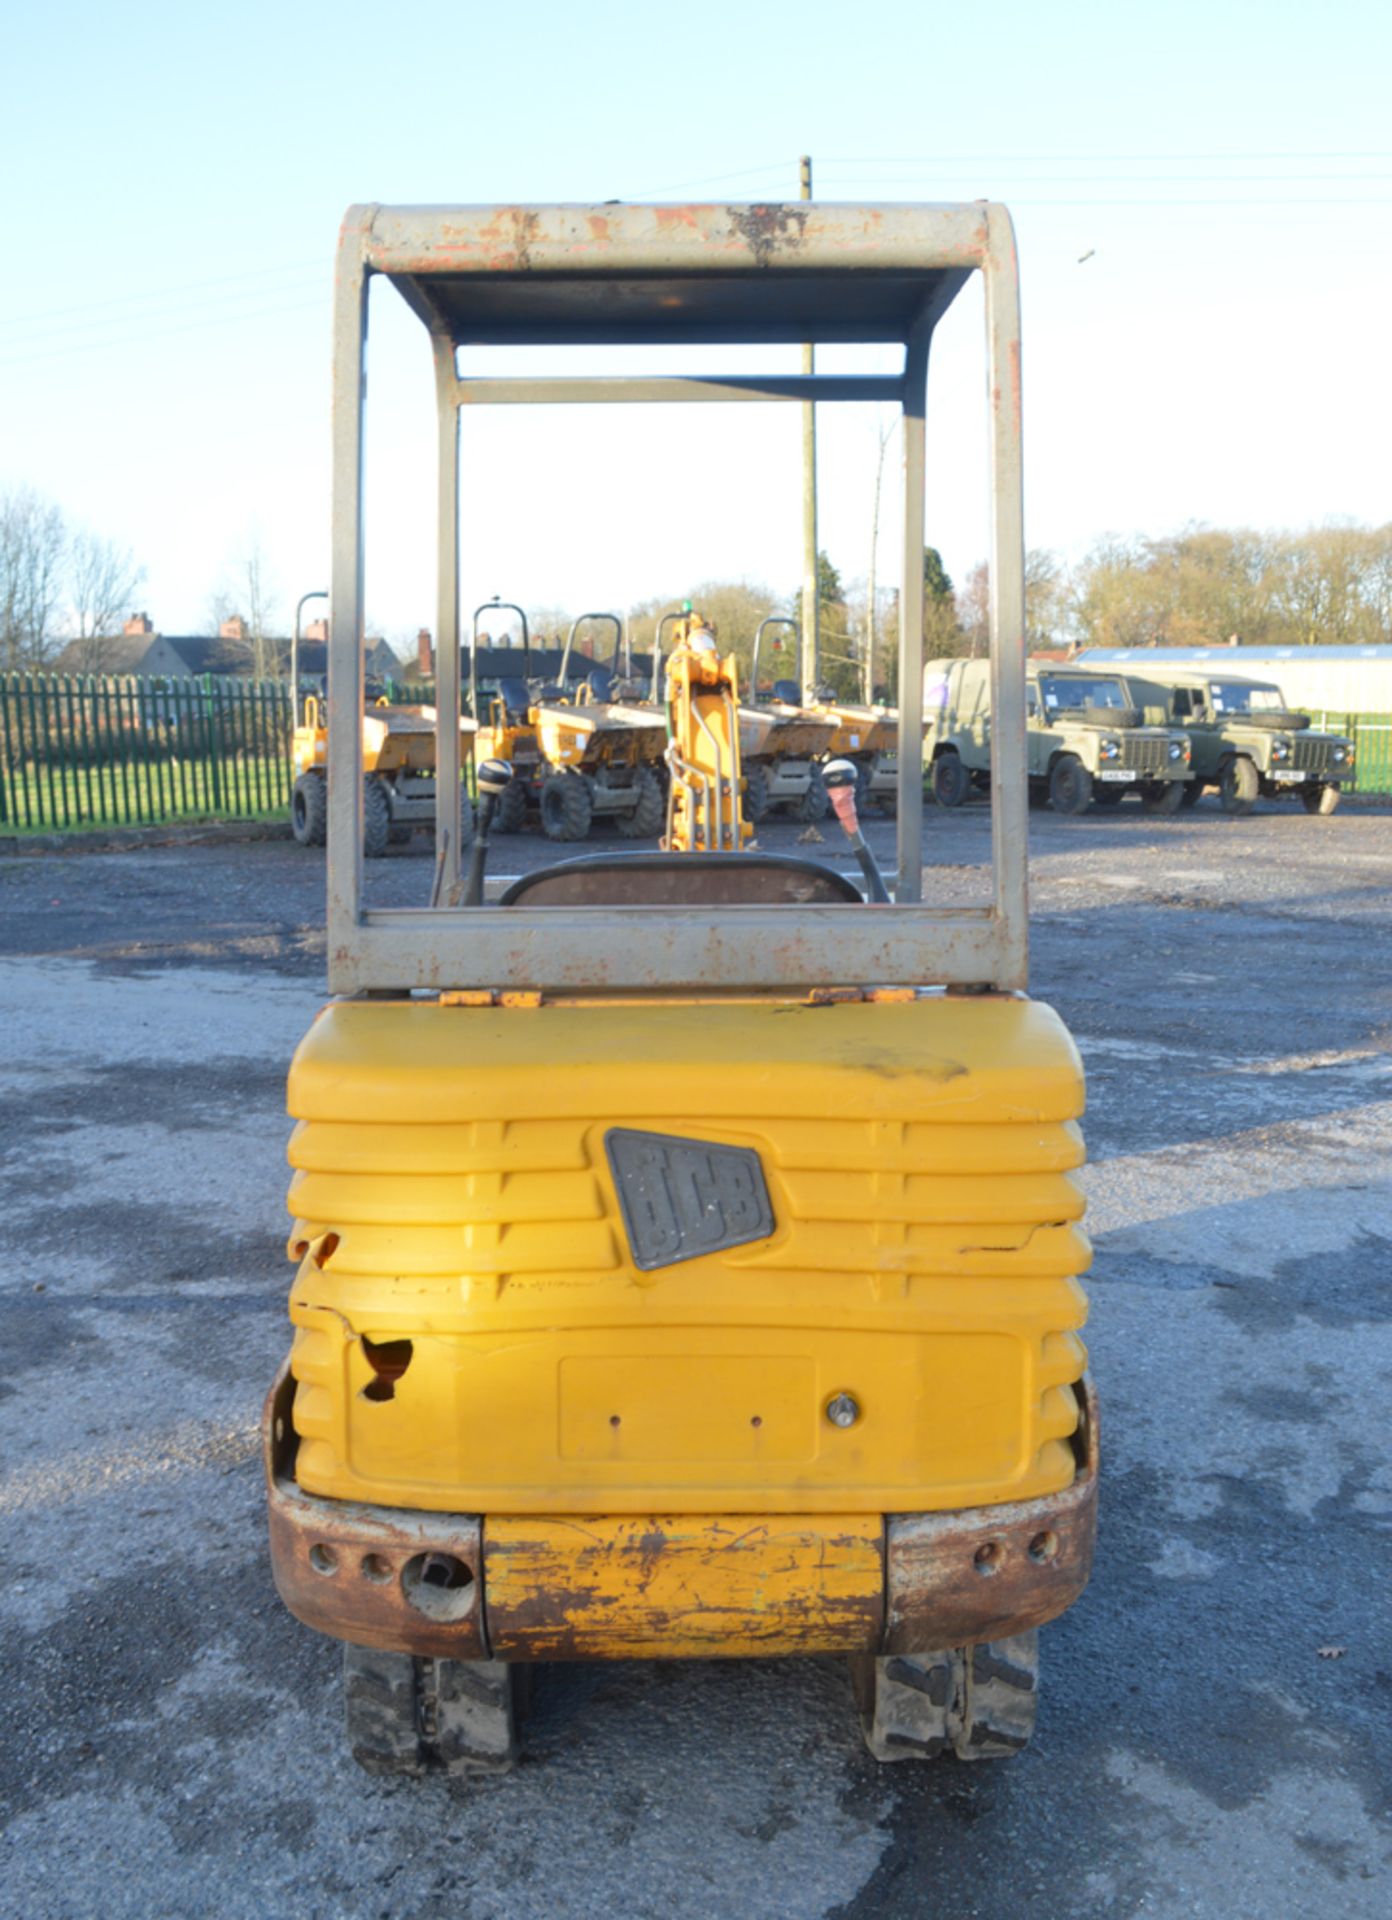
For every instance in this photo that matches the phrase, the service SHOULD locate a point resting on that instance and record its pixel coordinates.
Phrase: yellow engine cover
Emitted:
(456, 1189)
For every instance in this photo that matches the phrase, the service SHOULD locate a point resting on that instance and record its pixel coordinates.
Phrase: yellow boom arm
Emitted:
(703, 754)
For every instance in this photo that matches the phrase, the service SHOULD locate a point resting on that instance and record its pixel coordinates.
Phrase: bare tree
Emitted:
(219, 606)
(257, 596)
(887, 424)
(102, 579)
(33, 539)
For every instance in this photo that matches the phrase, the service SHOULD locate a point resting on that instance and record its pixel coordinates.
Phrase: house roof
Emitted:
(120, 653)
(199, 653)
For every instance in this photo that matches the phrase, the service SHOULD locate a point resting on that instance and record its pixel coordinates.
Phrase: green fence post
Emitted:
(214, 741)
(24, 710)
(9, 812)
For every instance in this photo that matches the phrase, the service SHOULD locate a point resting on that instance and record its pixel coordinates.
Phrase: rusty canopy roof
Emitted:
(614, 275)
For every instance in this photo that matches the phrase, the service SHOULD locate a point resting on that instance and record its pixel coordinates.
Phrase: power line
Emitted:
(160, 293)
(1161, 179)
(1084, 159)
(716, 179)
(1130, 201)
(173, 309)
(90, 349)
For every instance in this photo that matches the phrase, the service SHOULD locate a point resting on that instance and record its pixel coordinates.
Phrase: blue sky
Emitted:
(178, 174)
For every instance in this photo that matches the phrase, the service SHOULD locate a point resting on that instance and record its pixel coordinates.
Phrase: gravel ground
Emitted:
(1214, 1729)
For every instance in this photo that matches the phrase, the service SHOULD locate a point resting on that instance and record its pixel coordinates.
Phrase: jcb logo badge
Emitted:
(683, 1198)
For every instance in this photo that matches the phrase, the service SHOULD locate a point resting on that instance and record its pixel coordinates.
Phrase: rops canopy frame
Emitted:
(659, 275)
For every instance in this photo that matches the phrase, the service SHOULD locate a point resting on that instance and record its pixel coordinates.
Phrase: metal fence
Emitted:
(101, 751)
(1371, 734)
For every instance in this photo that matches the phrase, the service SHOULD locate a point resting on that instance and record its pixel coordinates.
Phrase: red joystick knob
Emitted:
(839, 777)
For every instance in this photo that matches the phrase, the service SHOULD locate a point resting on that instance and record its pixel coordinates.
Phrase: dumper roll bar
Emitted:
(630, 275)
(494, 605)
(318, 593)
(619, 643)
(773, 620)
(655, 685)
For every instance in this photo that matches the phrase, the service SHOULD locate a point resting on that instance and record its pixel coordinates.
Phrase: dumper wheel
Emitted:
(815, 804)
(977, 1702)
(414, 1716)
(510, 810)
(756, 795)
(1319, 799)
(950, 780)
(1163, 796)
(1070, 785)
(309, 810)
(376, 819)
(566, 807)
(1238, 785)
(646, 819)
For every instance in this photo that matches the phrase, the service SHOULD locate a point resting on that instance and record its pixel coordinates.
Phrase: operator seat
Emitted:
(683, 880)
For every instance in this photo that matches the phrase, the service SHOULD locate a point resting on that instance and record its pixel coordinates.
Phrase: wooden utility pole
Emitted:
(867, 692)
(810, 639)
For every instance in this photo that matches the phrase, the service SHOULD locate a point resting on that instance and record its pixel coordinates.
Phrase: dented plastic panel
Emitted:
(481, 1329)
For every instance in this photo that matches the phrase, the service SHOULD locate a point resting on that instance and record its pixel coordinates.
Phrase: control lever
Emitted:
(493, 777)
(839, 777)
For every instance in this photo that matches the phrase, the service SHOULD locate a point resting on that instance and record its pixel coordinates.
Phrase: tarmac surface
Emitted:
(1214, 1735)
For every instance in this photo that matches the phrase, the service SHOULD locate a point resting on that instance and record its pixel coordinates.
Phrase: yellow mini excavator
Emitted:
(686, 1242)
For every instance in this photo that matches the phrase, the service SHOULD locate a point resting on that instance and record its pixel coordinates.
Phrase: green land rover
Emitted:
(1245, 739)
(1084, 736)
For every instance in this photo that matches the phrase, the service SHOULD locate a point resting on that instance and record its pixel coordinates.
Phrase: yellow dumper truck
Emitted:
(686, 1247)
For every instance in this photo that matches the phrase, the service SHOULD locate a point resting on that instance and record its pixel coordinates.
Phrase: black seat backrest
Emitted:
(514, 695)
(601, 681)
(788, 691)
(682, 880)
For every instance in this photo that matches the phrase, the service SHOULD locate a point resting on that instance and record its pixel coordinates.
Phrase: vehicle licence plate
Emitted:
(1115, 773)
(1287, 773)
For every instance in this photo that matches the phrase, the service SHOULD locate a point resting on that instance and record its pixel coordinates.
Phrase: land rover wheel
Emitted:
(1319, 799)
(646, 818)
(1238, 784)
(1070, 785)
(510, 809)
(376, 819)
(951, 782)
(755, 803)
(977, 1702)
(413, 1716)
(309, 810)
(566, 807)
(1163, 796)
